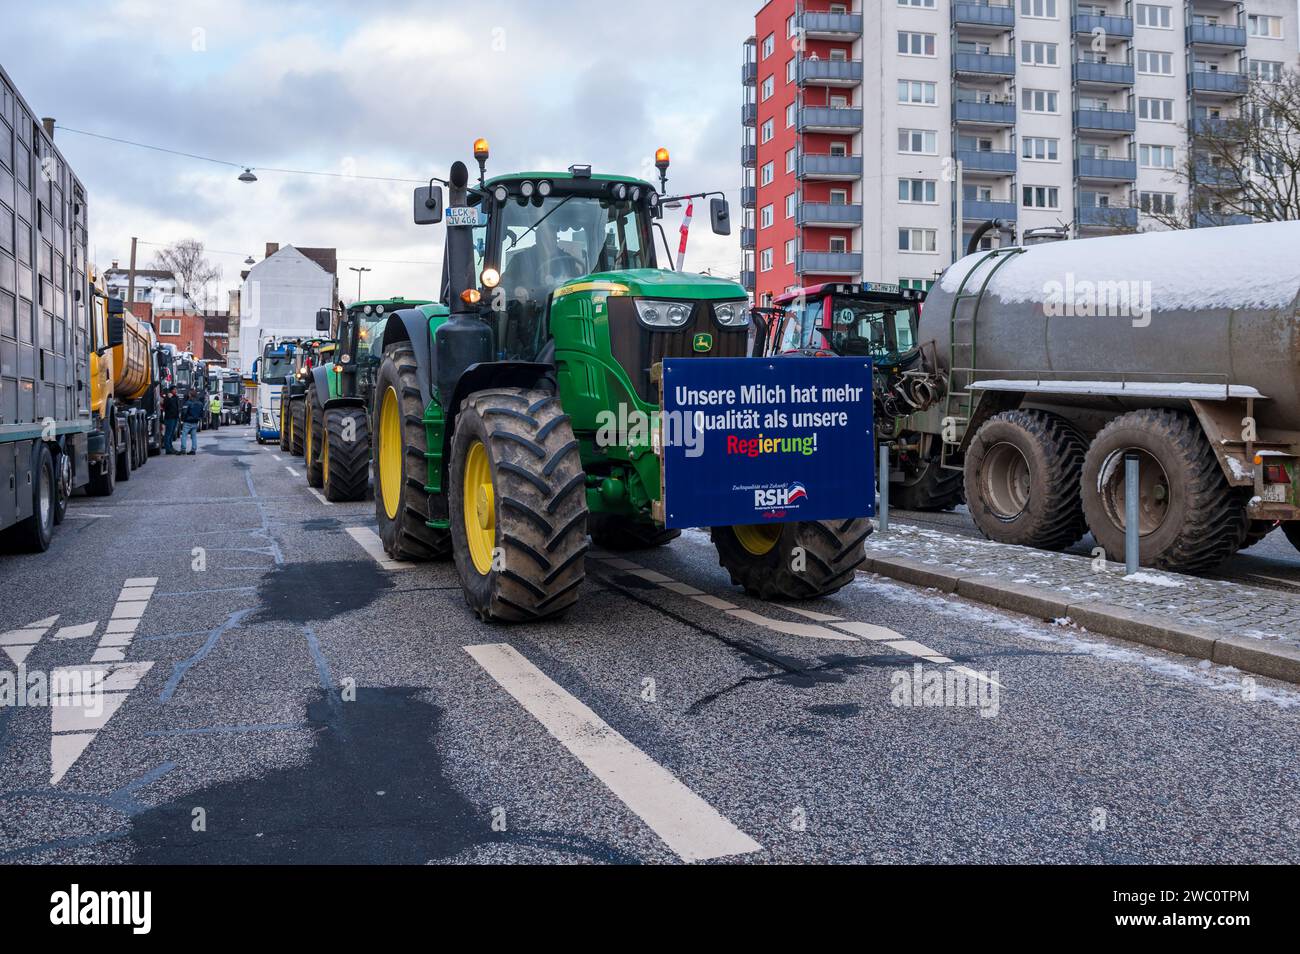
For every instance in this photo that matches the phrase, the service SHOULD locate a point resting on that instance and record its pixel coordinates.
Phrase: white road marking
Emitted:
(868, 630)
(320, 496)
(292, 471)
(810, 630)
(87, 516)
(18, 643)
(277, 457)
(77, 632)
(370, 542)
(690, 826)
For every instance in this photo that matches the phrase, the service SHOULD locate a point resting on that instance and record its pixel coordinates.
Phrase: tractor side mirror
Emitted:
(323, 319)
(720, 216)
(428, 205)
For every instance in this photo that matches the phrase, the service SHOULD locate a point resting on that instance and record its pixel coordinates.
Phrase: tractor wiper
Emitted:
(515, 241)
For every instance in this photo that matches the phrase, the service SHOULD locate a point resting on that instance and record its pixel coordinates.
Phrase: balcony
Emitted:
(748, 196)
(1217, 82)
(984, 114)
(828, 263)
(1210, 220)
(829, 72)
(749, 114)
(830, 26)
(996, 162)
(1088, 167)
(984, 14)
(828, 214)
(748, 73)
(1222, 37)
(976, 210)
(810, 166)
(1106, 217)
(747, 279)
(1103, 74)
(828, 119)
(748, 154)
(983, 64)
(1208, 174)
(1221, 128)
(1117, 28)
(747, 238)
(1106, 120)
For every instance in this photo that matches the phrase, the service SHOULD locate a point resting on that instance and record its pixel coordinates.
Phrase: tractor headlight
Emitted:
(501, 193)
(526, 189)
(653, 199)
(618, 190)
(544, 188)
(731, 314)
(663, 314)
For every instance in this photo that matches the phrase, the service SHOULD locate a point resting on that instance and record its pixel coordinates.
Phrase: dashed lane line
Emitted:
(370, 542)
(689, 825)
(292, 471)
(320, 496)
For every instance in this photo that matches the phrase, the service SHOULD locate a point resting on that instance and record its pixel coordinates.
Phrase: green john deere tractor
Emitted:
(338, 398)
(487, 408)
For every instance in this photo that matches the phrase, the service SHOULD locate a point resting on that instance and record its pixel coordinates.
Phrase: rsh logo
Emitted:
(780, 496)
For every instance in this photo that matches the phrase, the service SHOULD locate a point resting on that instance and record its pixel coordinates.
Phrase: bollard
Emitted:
(1131, 491)
(882, 481)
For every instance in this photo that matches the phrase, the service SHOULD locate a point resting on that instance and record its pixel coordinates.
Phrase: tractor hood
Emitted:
(659, 283)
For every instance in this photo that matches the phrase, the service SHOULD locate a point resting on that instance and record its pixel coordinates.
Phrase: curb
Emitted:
(1249, 655)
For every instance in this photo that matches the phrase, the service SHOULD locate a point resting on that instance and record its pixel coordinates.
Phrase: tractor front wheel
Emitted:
(286, 423)
(401, 469)
(298, 426)
(518, 505)
(313, 450)
(345, 454)
(792, 561)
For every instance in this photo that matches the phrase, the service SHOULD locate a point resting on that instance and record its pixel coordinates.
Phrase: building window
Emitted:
(791, 27)
(1267, 70)
(790, 202)
(765, 260)
(1039, 9)
(169, 326)
(1040, 149)
(838, 244)
(789, 251)
(791, 155)
(918, 240)
(1155, 16)
(1037, 53)
(1159, 202)
(1041, 197)
(918, 191)
(769, 87)
(1156, 157)
(917, 92)
(1270, 28)
(915, 44)
(767, 131)
(1155, 63)
(922, 141)
(766, 174)
(769, 45)
(839, 149)
(1156, 110)
(765, 217)
(925, 4)
(1038, 100)
(789, 116)
(790, 67)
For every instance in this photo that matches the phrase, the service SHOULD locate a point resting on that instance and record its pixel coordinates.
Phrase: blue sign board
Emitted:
(751, 440)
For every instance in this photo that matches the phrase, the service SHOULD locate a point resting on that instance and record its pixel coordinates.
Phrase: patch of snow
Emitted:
(1155, 579)
(1173, 389)
(1239, 470)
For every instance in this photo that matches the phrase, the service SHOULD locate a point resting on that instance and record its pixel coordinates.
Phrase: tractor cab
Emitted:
(871, 319)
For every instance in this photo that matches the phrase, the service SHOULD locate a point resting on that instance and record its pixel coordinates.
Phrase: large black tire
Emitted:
(34, 534)
(62, 484)
(104, 483)
(298, 427)
(405, 530)
(1256, 531)
(537, 507)
(1022, 479)
(933, 488)
(617, 533)
(347, 476)
(1292, 531)
(806, 560)
(125, 456)
(1191, 518)
(314, 440)
(286, 422)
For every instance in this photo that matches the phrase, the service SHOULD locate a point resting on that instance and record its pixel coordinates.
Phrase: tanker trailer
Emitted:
(1182, 348)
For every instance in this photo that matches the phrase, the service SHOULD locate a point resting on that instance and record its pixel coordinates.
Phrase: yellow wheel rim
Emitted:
(325, 458)
(308, 438)
(478, 507)
(758, 538)
(389, 457)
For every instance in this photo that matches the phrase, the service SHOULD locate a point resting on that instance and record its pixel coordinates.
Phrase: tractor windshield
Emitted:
(871, 329)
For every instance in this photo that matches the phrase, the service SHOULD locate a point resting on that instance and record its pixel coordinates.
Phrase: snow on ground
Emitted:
(1155, 579)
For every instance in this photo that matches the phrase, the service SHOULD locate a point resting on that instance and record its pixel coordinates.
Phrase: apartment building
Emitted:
(878, 136)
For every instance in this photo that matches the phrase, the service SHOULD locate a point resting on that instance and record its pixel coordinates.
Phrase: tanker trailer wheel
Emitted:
(518, 505)
(792, 561)
(1292, 531)
(298, 427)
(345, 454)
(286, 424)
(1190, 519)
(1257, 531)
(1022, 479)
(313, 440)
(933, 488)
(621, 533)
(401, 502)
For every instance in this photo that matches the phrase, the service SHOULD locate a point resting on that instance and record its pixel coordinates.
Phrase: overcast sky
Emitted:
(381, 88)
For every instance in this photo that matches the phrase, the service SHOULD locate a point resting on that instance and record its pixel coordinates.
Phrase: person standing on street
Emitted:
(171, 419)
(214, 408)
(191, 418)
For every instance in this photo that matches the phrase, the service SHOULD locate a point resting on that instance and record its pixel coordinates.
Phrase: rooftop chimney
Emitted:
(272, 248)
(48, 123)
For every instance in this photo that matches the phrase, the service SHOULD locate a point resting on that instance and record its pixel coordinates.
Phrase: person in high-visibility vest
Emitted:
(214, 405)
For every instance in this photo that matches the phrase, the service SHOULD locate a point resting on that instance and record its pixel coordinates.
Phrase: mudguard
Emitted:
(411, 324)
(496, 374)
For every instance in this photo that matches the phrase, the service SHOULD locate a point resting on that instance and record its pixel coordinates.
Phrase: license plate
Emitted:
(462, 215)
(1275, 493)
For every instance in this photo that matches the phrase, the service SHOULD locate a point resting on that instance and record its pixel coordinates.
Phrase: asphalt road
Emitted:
(285, 696)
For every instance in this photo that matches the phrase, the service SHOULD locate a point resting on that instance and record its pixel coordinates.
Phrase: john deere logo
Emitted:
(703, 342)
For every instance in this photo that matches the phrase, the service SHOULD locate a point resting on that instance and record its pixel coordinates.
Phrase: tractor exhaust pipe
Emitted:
(463, 340)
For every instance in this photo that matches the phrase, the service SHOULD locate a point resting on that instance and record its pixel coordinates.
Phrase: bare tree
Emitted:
(1243, 165)
(194, 273)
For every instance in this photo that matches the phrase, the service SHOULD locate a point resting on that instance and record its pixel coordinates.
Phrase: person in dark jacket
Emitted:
(191, 418)
(171, 419)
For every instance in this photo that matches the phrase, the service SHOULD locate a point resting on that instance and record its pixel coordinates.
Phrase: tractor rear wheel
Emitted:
(401, 469)
(792, 561)
(518, 505)
(345, 454)
(298, 426)
(313, 448)
(619, 533)
(286, 423)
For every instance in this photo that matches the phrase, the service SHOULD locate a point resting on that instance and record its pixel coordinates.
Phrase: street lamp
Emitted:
(353, 268)
(247, 176)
